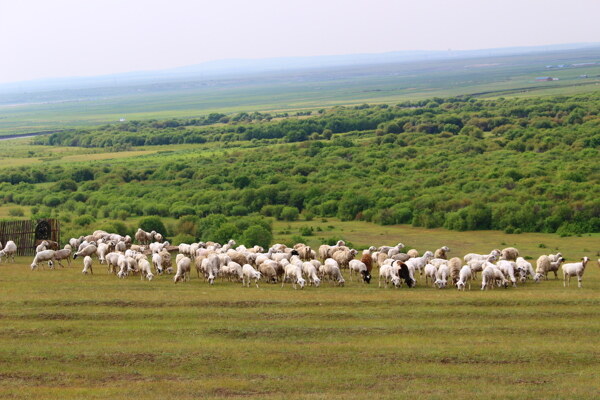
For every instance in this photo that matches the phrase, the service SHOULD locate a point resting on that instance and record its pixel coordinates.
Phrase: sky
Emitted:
(64, 38)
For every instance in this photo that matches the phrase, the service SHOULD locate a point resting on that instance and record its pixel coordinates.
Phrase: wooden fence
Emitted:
(27, 235)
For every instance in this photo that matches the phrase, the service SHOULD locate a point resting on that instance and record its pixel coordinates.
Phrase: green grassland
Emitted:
(68, 336)
(505, 76)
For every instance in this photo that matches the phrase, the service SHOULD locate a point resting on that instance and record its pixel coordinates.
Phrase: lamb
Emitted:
(310, 271)
(465, 277)
(42, 246)
(234, 270)
(430, 273)
(442, 252)
(145, 271)
(45, 255)
(87, 265)
(183, 269)
(418, 263)
(63, 254)
(574, 269)
(112, 261)
(86, 251)
(441, 277)
(294, 274)
(386, 272)
(509, 253)
(75, 242)
(359, 267)
(454, 265)
(9, 251)
(250, 273)
(344, 256)
(157, 263)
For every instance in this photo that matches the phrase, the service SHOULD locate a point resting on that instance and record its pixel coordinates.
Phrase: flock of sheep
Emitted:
(299, 265)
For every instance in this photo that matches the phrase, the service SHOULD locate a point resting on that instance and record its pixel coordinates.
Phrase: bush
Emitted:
(52, 200)
(183, 238)
(257, 235)
(306, 231)
(16, 212)
(289, 214)
(84, 220)
(150, 224)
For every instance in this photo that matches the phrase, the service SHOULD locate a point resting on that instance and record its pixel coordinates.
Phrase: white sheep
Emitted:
(524, 269)
(441, 277)
(386, 272)
(310, 271)
(574, 269)
(86, 251)
(360, 268)
(477, 263)
(430, 273)
(250, 273)
(145, 270)
(465, 276)
(474, 256)
(9, 251)
(331, 270)
(183, 268)
(45, 255)
(419, 263)
(87, 265)
(157, 262)
(63, 254)
(508, 269)
(294, 274)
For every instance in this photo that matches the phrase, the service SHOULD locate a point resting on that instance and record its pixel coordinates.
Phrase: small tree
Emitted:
(150, 224)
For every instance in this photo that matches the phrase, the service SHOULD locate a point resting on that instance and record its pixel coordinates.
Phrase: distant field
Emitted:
(313, 89)
(68, 336)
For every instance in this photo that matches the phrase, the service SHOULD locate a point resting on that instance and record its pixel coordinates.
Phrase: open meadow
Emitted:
(69, 336)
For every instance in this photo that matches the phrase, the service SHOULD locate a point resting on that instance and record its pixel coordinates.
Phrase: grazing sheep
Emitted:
(360, 268)
(157, 262)
(465, 277)
(42, 246)
(9, 251)
(183, 269)
(331, 271)
(87, 265)
(508, 269)
(268, 271)
(545, 265)
(405, 273)
(386, 272)
(574, 269)
(413, 253)
(343, 257)
(310, 271)
(145, 270)
(63, 254)
(367, 259)
(476, 263)
(86, 251)
(45, 255)
(442, 252)
(524, 269)
(509, 253)
(454, 265)
(250, 273)
(554, 265)
(430, 273)
(210, 266)
(491, 275)
(294, 274)
(121, 247)
(112, 261)
(441, 277)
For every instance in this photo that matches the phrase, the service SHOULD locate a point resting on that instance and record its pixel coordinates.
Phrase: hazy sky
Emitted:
(56, 38)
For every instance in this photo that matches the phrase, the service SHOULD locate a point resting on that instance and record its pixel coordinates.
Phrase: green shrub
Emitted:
(150, 224)
(289, 214)
(84, 220)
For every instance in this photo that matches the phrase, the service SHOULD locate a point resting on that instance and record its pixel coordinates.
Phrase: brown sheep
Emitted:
(454, 265)
(343, 257)
(441, 252)
(509, 253)
(413, 253)
(367, 260)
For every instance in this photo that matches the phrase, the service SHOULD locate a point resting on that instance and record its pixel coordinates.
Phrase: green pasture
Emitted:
(68, 336)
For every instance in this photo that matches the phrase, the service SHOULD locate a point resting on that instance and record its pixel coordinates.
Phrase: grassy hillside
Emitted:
(69, 336)
(463, 164)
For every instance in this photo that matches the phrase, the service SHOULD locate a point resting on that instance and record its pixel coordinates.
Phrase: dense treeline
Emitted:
(514, 165)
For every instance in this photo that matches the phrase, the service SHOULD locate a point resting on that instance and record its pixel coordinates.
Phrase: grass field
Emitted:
(68, 336)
